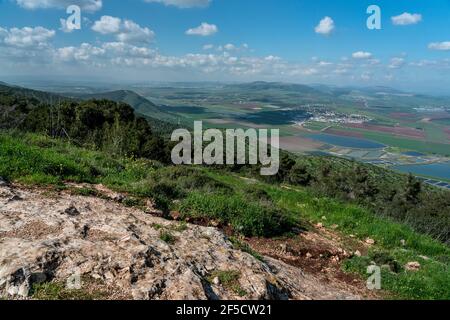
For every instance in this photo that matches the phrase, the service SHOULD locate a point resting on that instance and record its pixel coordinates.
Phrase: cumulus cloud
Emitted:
(204, 30)
(124, 30)
(87, 5)
(120, 55)
(361, 55)
(325, 26)
(27, 37)
(441, 46)
(183, 3)
(107, 25)
(406, 19)
(133, 33)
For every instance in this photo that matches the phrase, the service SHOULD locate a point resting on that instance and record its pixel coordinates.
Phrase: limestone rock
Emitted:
(413, 266)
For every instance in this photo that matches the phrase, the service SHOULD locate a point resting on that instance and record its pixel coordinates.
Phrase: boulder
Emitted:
(413, 266)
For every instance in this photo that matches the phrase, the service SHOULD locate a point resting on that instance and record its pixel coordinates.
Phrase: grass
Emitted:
(427, 147)
(409, 144)
(132, 202)
(229, 280)
(427, 283)
(244, 247)
(247, 218)
(181, 227)
(85, 192)
(58, 291)
(29, 159)
(167, 237)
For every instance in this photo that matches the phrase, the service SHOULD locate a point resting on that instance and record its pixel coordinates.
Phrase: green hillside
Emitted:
(251, 208)
(41, 96)
(105, 142)
(139, 103)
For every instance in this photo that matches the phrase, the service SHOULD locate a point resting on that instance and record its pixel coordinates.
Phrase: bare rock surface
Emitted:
(56, 236)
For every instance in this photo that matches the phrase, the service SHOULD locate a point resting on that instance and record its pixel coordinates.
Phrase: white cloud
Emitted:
(87, 5)
(205, 29)
(27, 37)
(362, 55)
(324, 63)
(183, 3)
(396, 63)
(366, 76)
(230, 47)
(423, 63)
(125, 31)
(325, 26)
(107, 25)
(85, 52)
(272, 58)
(406, 19)
(133, 33)
(64, 27)
(442, 46)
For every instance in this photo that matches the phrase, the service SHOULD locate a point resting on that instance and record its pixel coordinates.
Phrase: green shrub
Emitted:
(229, 280)
(190, 179)
(167, 237)
(247, 218)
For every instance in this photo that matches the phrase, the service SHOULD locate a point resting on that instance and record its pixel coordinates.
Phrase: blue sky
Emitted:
(241, 40)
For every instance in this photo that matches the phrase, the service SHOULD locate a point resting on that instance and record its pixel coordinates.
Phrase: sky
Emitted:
(302, 41)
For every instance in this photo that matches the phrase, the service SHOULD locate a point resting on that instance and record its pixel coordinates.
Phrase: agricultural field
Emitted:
(376, 125)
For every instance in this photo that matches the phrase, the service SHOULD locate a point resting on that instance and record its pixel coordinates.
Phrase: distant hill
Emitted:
(140, 104)
(328, 94)
(41, 96)
(160, 121)
(263, 86)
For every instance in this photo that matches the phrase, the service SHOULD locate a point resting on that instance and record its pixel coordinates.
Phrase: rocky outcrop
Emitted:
(133, 255)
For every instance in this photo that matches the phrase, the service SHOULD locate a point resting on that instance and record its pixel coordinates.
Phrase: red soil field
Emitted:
(401, 131)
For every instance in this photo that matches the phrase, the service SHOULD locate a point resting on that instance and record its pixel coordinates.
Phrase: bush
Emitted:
(191, 179)
(247, 218)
